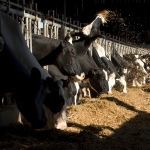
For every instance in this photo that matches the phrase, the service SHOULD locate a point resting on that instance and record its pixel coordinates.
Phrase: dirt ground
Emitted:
(111, 122)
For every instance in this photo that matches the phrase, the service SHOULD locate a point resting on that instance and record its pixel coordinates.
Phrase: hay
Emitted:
(117, 121)
(122, 26)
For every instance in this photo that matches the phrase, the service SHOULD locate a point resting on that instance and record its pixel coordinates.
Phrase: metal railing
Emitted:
(32, 21)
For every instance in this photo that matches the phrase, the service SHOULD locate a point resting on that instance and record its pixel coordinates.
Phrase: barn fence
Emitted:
(32, 21)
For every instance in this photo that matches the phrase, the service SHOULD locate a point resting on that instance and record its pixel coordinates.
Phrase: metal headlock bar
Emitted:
(32, 21)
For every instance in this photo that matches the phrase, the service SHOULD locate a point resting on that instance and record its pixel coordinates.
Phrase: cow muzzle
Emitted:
(79, 78)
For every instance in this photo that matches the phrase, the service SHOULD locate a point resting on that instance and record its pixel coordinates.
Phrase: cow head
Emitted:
(38, 92)
(69, 91)
(98, 81)
(67, 61)
(94, 27)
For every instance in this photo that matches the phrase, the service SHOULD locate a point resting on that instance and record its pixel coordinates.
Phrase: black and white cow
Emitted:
(63, 55)
(70, 87)
(100, 58)
(22, 75)
(121, 66)
(94, 75)
(137, 73)
(146, 60)
(58, 52)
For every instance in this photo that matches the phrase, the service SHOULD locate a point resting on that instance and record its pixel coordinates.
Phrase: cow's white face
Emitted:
(87, 29)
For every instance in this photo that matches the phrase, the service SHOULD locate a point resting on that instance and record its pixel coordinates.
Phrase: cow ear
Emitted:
(35, 77)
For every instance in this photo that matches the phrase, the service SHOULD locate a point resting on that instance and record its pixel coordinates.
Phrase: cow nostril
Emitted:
(83, 74)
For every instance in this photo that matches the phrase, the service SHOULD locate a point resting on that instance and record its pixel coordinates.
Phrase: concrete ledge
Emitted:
(9, 114)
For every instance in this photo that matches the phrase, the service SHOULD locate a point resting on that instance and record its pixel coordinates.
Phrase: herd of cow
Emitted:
(42, 96)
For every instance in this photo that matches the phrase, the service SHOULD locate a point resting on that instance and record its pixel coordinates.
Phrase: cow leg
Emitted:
(123, 82)
(84, 92)
(111, 82)
(133, 83)
(144, 80)
(89, 93)
(138, 84)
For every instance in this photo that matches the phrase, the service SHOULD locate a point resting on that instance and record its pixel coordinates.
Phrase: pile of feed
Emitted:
(111, 122)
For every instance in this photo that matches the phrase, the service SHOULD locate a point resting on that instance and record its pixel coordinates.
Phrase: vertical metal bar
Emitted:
(30, 34)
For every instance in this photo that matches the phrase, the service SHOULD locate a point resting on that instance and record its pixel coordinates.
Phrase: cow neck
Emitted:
(81, 58)
(86, 40)
(51, 58)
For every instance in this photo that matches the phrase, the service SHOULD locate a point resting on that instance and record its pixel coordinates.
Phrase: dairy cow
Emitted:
(22, 75)
(89, 33)
(100, 58)
(103, 62)
(121, 67)
(93, 28)
(44, 46)
(94, 75)
(137, 72)
(58, 52)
